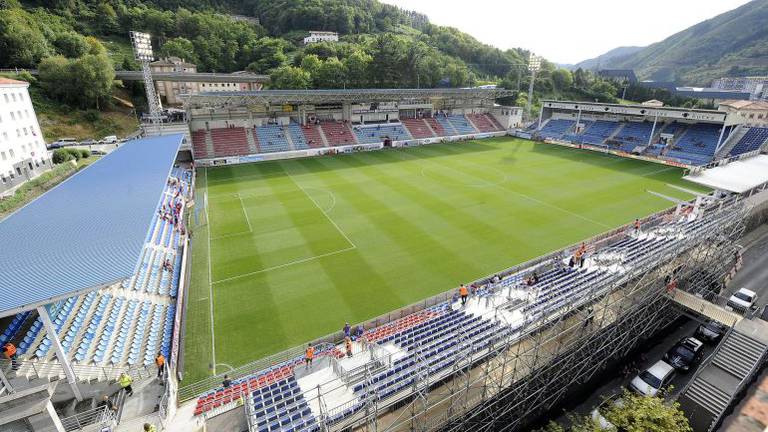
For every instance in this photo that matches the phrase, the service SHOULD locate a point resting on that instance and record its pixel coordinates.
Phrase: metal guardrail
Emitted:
(37, 369)
(102, 416)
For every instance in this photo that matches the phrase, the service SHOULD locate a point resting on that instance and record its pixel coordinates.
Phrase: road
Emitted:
(753, 275)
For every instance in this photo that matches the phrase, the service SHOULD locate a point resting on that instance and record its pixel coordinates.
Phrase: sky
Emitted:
(569, 31)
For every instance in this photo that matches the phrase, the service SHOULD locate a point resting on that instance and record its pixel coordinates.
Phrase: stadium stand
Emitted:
(418, 128)
(556, 128)
(312, 134)
(199, 145)
(272, 138)
(460, 124)
(129, 324)
(436, 126)
(632, 135)
(754, 139)
(230, 141)
(377, 134)
(337, 133)
(597, 132)
(297, 136)
(484, 122)
(696, 145)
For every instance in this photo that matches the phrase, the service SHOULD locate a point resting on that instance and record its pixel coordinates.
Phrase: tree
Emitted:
(71, 44)
(311, 63)
(357, 66)
(289, 77)
(633, 413)
(562, 78)
(331, 75)
(179, 47)
(266, 54)
(22, 43)
(85, 82)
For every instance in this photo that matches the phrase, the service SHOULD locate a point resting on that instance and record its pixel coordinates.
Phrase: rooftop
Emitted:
(87, 232)
(8, 81)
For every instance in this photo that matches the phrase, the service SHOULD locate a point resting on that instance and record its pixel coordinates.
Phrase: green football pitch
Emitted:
(287, 251)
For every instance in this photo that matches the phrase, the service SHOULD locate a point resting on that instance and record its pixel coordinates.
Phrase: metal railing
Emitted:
(37, 369)
(102, 416)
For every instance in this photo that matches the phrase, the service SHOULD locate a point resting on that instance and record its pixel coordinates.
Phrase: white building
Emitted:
(321, 36)
(23, 154)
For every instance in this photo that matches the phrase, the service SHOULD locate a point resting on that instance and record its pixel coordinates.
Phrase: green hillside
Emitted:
(731, 44)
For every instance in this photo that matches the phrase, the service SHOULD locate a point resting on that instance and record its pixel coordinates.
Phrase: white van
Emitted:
(111, 139)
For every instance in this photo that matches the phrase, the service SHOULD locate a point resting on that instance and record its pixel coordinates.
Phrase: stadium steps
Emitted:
(209, 143)
(429, 126)
(289, 139)
(495, 122)
(732, 141)
(436, 127)
(253, 146)
(472, 123)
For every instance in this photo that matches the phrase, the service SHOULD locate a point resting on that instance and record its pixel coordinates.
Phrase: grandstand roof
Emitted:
(739, 176)
(88, 231)
(224, 99)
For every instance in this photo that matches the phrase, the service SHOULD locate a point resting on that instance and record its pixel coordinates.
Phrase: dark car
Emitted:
(88, 142)
(686, 354)
(710, 332)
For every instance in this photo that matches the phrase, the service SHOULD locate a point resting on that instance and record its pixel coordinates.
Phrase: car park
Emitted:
(710, 332)
(742, 300)
(685, 354)
(652, 380)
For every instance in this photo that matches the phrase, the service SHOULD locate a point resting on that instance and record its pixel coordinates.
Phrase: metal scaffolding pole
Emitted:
(60, 354)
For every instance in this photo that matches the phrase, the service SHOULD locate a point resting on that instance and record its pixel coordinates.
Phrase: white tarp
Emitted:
(739, 176)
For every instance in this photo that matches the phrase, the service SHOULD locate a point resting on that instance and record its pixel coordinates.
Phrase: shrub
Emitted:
(74, 152)
(61, 156)
(91, 116)
(85, 153)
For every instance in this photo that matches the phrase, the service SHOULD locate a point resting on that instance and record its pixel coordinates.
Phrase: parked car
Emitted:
(98, 152)
(62, 142)
(89, 142)
(652, 380)
(685, 354)
(742, 300)
(710, 332)
(109, 139)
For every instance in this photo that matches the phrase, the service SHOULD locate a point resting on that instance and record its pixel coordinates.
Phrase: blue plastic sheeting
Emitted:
(89, 230)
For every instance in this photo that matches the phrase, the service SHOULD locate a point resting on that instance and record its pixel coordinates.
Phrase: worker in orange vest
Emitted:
(637, 226)
(348, 345)
(160, 362)
(309, 356)
(9, 350)
(463, 293)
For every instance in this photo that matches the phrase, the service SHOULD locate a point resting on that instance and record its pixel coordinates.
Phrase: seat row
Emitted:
(752, 140)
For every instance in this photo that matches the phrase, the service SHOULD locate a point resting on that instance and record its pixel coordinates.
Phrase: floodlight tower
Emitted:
(534, 65)
(142, 50)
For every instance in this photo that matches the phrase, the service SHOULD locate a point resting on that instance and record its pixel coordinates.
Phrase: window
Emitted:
(6, 98)
(13, 96)
(26, 132)
(18, 170)
(21, 96)
(2, 154)
(10, 151)
(30, 166)
(13, 116)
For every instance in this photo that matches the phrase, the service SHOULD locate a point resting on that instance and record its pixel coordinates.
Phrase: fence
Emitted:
(37, 369)
(101, 416)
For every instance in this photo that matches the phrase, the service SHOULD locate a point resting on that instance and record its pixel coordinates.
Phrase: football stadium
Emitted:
(383, 259)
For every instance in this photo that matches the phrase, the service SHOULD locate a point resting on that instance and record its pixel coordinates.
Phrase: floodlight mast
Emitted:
(142, 50)
(534, 65)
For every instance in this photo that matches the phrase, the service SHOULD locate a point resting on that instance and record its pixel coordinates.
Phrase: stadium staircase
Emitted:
(435, 126)
(120, 327)
(314, 135)
(337, 133)
(418, 128)
(428, 346)
(253, 142)
(720, 382)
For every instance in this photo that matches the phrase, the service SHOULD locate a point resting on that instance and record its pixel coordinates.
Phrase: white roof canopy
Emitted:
(738, 177)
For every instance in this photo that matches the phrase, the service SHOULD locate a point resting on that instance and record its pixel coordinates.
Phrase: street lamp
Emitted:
(534, 65)
(142, 52)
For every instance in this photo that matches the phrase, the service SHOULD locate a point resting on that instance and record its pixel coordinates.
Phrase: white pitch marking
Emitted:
(303, 260)
(242, 205)
(210, 276)
(321, 210)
